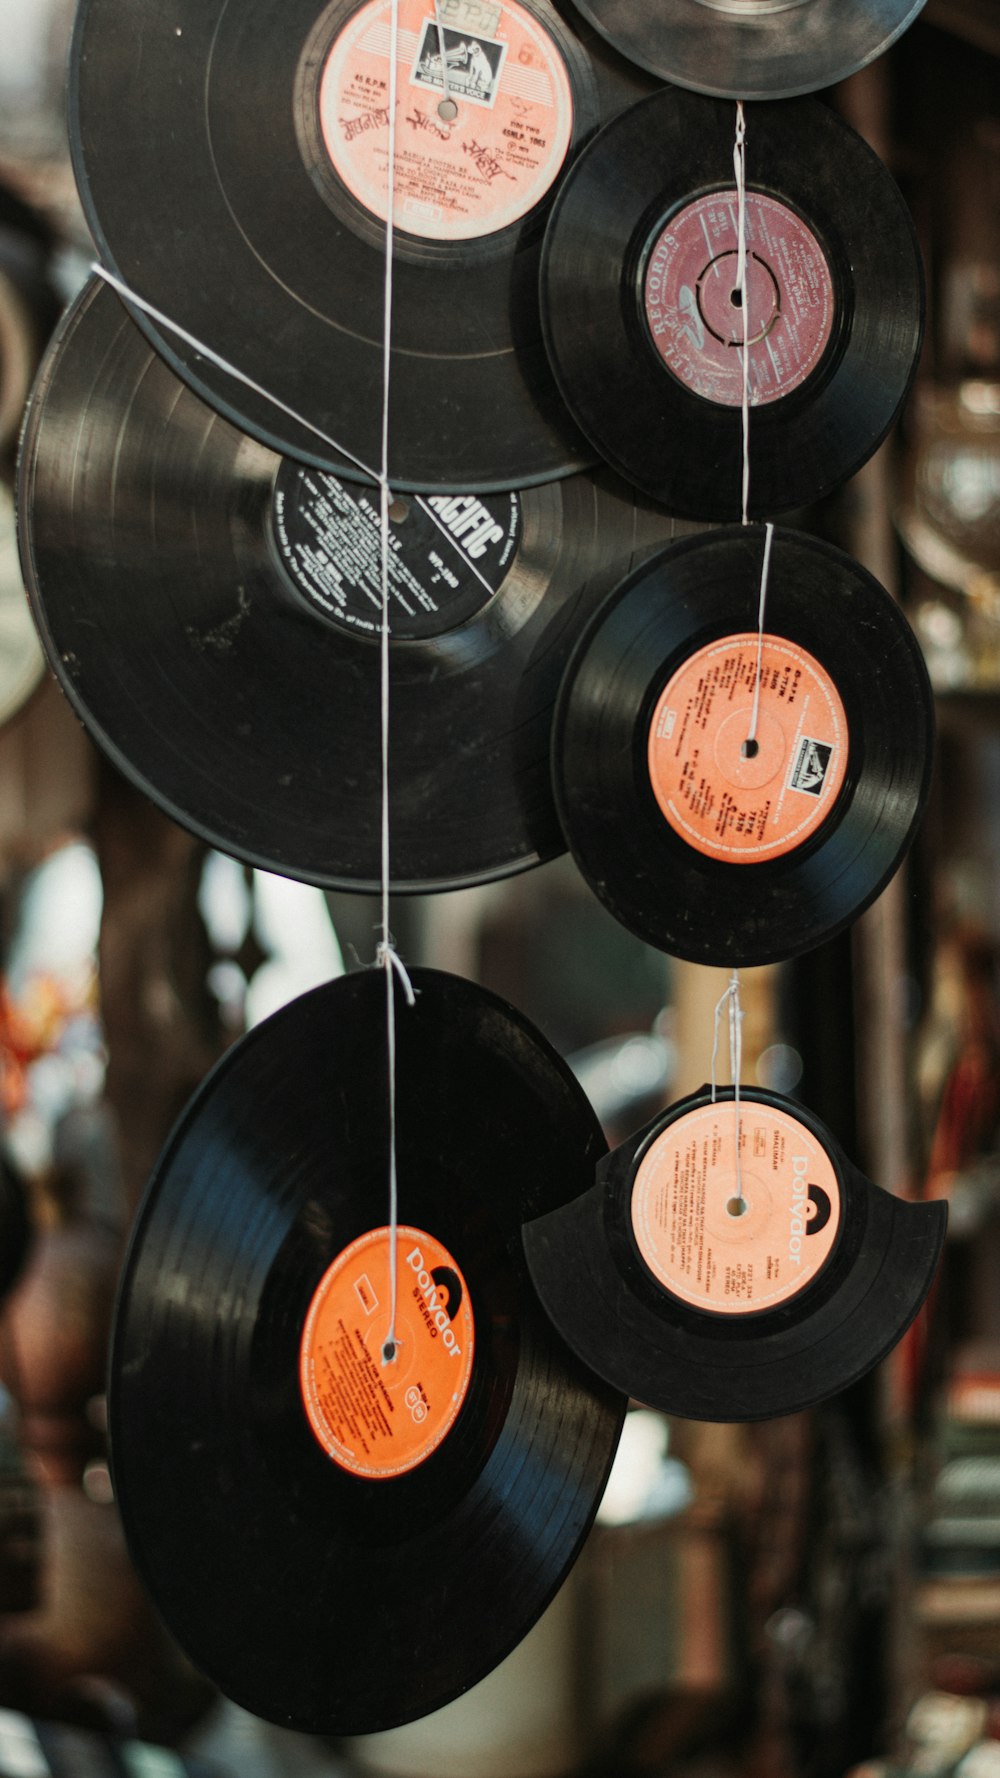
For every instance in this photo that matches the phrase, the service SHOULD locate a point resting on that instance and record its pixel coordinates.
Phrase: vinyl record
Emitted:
(238, 183)
(707, 853)
(212, 612)
(670, 1291)
(339, 1548)
(645, 336)
(753, 52)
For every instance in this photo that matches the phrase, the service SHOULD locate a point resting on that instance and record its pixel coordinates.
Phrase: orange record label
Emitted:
(379, 1419)
(739, 798)
(481, 136)
(714, 1249)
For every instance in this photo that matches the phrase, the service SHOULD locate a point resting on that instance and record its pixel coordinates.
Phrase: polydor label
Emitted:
(374, 1417)
(736, 1240)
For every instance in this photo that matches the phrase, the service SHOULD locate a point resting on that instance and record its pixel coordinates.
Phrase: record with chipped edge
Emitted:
(715, 1306)
(775, 52)
(212, 613)
(262, 230)
(698, 849)
(644, 328)
(339, 1546)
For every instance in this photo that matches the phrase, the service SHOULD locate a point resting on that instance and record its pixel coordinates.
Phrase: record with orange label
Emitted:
(736, 797)
(260, 229)
(725, 1289)
(341, 1536)
(756, 51)
(213, 613)
(644, 324)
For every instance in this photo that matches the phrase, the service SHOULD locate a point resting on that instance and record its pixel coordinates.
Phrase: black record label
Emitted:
(449, 553)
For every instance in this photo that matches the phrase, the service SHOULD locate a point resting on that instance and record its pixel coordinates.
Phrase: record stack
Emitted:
(308, 1481)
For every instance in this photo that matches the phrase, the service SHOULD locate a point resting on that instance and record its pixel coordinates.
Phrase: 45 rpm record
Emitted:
(717, 846)
(762, 51)
(339, 1543)
(721, 1295)
(262, 229)
(645, 331)
(212, 612)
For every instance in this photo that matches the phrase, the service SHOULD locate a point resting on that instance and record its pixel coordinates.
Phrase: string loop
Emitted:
(731, 1000)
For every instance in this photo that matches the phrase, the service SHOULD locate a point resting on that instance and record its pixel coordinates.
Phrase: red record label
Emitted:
(733, 796)
(694, 312)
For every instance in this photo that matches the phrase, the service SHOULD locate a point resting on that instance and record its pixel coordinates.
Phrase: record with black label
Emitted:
(717, 840)
(261, 230)
(212, 612)
(720, 1293)
(645, 328)
(340, 1542)
(760, 51)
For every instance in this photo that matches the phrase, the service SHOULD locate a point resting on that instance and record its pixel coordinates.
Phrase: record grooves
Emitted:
(697, 849)
(313, 1594)
(759, 53)
(666, 1290)
(212, 613)
(261, 233)
(644, 332)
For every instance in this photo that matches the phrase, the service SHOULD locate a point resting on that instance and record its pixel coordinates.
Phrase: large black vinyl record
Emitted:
(232, 160)
(340, 1544)
(752, 52)
(714, 843)
(212, 612)
(720, 1303)
(645, 330)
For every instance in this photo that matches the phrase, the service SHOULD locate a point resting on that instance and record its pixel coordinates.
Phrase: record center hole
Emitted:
(737, 1207)
(399, 510)
(389, 1351)
(750, 749)
(736, 299)
(447, 111)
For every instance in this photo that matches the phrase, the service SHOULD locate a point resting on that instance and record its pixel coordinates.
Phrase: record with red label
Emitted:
(724, 823)
(345, 1538)
(644, 324)
(769, 51)
(720, 1288)
(213, 613)
(233, 162)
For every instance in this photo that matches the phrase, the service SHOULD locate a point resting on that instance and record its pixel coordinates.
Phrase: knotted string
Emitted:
(731, 998)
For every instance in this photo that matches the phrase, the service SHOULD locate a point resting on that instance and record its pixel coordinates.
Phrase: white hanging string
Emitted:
(750, 745)
(447, 109)
(386, 956)
(740, 170)
(731, 999)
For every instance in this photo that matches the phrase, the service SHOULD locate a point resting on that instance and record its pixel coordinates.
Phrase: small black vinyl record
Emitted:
(697, 848)
(340, 1544)
(644, 328)
(758, 52)
(232, 161)
(717, 1303)
(212, 611)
